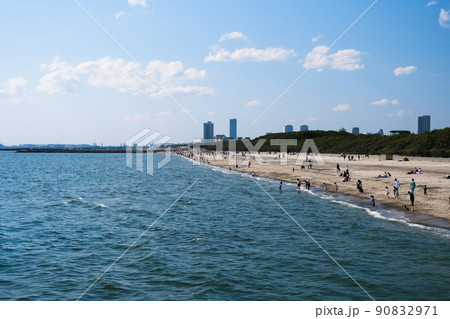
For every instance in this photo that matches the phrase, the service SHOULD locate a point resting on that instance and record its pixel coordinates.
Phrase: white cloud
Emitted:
(15, 91)
(124, 76)
(432, 3)
(345, 60)
(119, 14)
(253, 103)
(405, 70)
(316, 38)
(249, 54)
(341, 107)
(134, 3)
(385, 101)
(444, 18)
(380, 102)
(232, 35)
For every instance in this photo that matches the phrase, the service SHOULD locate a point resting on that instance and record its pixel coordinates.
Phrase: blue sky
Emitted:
(64, 80)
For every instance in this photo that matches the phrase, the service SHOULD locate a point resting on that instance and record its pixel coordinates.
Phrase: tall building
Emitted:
(233, 129)
(208, 130)
(304, 128)
(424, 124)
(288, 128)
(355, 130)
(381, 132)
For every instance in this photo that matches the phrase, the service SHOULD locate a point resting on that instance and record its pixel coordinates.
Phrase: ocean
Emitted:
(87, 227)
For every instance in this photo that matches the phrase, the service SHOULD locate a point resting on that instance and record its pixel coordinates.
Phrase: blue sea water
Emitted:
(66, 218)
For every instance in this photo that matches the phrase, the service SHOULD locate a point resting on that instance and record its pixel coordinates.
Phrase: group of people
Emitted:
(307, 184)
(299, 183)
(385, 175)
(414, 171)
(350, 157)
(346, 175)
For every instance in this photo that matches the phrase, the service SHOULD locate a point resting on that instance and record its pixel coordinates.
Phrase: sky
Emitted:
(101, 71)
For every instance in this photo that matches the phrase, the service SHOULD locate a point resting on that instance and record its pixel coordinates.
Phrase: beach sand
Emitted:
(436, 203)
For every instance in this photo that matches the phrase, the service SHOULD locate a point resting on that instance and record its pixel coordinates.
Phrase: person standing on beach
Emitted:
(336, 187)
(253, 174)
(372, 202)
(425, 190)
(387, 192)
(298, 184)
(411, 198)
(281, 186)
(413, 185)
(338, 168)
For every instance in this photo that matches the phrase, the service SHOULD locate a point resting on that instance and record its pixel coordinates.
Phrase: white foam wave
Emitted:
(398, 219)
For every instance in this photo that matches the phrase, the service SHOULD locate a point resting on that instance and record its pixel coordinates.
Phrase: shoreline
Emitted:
(429, 210)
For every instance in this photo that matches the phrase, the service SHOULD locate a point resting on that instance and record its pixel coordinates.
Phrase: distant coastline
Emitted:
(76, 150)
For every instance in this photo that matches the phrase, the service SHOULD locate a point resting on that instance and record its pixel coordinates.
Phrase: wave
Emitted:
(100, 206)
(396, 216)
(381, 213)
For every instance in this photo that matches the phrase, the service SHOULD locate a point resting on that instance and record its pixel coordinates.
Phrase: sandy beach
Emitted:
(366, 169)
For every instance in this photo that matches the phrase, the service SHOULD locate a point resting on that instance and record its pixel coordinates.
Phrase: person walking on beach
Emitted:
(396, 188)
(413, 185)
(372, 202)
(411, 198)
(338, 168)
(425, 190)
(359, 187)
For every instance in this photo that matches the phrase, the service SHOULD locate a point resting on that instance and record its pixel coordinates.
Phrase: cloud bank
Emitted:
(124, 77)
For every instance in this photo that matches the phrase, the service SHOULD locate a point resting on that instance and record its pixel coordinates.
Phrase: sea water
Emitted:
(87, 226)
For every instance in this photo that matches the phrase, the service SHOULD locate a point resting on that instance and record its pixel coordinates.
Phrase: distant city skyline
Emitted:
(171, 66)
